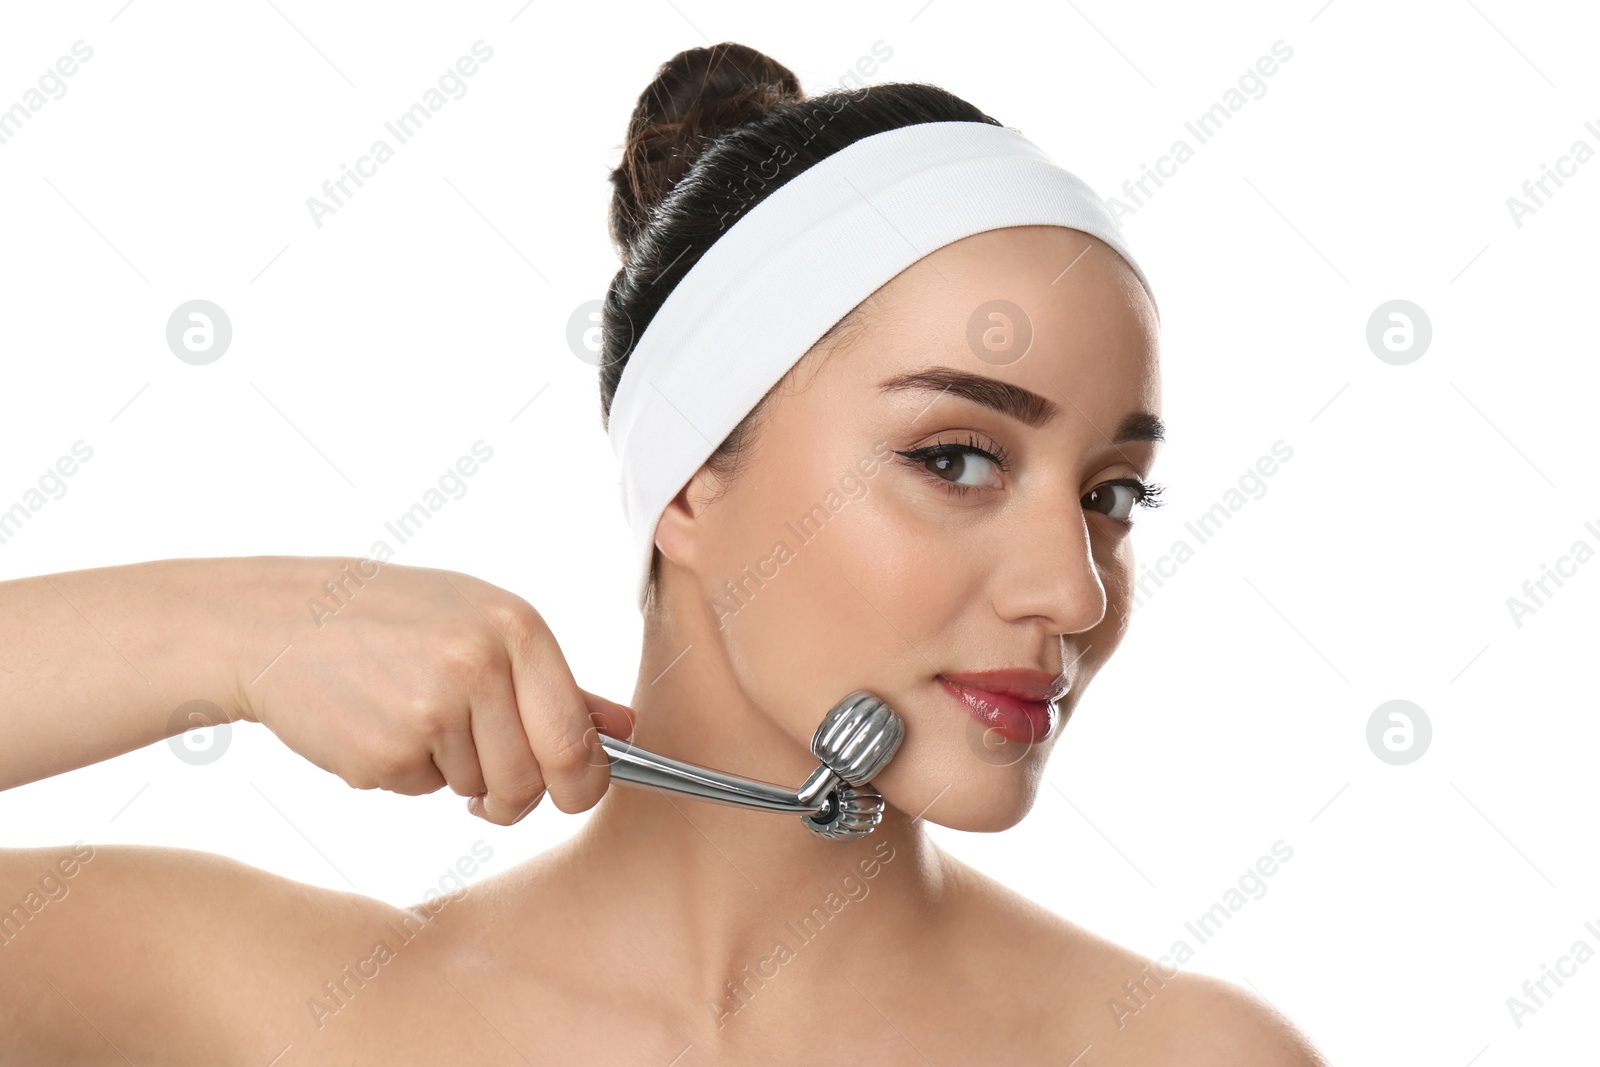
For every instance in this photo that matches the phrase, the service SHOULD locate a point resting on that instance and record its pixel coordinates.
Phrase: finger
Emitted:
(415, 781)
(556, 720)
(456, 756)
(612, 718)
(514, 781)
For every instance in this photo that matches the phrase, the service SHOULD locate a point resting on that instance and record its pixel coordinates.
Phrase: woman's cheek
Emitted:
(1118, 572)
(1116, 564)
(789, 639)
(894, 560)
(854, 600)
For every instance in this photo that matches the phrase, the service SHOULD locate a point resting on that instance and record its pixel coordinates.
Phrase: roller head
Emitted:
(858, 737)
(850, 811)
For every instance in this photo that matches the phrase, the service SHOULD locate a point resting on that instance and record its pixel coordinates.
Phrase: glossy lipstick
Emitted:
(1019, 704)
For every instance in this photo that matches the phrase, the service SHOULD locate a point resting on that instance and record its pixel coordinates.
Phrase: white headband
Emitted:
(795, 264)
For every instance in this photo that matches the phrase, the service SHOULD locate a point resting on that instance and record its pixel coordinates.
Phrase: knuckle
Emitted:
(470, 653)
(430, 715)
(389, 765)
(520, 622)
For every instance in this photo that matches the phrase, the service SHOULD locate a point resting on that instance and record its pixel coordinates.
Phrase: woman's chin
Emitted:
(984, 800)
(982, 818)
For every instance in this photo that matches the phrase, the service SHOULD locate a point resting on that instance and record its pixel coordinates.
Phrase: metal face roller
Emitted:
(857, 739)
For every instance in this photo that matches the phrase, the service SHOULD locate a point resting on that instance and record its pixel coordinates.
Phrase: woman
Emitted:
(922, 507)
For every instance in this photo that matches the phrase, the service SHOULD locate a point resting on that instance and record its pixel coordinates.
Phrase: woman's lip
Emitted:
(1022, 683)
(1023, 721)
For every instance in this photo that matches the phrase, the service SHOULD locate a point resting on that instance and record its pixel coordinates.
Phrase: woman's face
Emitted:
(836, 562)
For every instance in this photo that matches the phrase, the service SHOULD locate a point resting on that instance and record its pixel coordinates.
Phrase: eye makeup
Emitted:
(941, 460)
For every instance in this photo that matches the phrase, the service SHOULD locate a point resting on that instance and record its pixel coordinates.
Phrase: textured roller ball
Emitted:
(851, 811)
(858, 737)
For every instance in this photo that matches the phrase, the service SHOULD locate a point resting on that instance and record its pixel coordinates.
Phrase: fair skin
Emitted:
(620, 945)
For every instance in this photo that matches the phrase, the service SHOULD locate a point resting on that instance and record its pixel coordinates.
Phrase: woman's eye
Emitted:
(1120, 505)
(961, 467)
(964, 467)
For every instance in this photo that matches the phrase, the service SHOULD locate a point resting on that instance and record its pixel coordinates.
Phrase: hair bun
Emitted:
(696, 95)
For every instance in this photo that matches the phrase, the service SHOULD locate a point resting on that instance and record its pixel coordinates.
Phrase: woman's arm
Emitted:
(93, 663)
(419, 679)
(392, 677)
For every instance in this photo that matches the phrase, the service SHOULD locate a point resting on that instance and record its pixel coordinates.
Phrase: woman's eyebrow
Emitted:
(1024, 405)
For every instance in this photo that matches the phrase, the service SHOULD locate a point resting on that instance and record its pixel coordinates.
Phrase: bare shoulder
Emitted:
(1113, 1005)
(136, 951)
(1206, 1022)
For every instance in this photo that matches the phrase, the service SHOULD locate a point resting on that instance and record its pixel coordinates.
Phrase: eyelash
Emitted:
(1149, 492)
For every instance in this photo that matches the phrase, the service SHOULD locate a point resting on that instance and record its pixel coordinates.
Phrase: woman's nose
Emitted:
(1049, 570)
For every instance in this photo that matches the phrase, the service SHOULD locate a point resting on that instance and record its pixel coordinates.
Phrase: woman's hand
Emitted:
(410, 678)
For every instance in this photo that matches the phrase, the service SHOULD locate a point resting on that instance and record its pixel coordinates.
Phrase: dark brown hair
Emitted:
(716, 132)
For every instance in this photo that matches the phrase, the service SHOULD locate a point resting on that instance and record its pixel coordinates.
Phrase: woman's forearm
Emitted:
(94, 663)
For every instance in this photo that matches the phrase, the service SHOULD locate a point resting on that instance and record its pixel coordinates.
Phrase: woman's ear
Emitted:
(679, 533)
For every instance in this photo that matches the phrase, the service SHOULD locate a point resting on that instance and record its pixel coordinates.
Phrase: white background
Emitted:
(431, 311)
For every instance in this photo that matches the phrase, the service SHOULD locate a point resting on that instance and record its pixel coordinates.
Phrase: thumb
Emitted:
(611, 718)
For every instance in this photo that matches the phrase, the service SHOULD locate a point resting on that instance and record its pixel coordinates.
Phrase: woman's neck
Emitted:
(741, 906)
